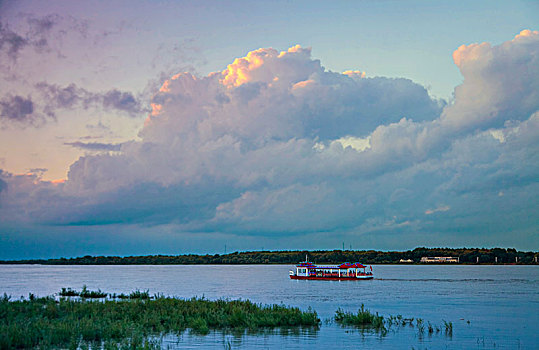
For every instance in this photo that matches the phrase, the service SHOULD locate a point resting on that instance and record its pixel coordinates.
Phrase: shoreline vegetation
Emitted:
(87, 319)
(78, 320)
(366, 320)
(466, 256)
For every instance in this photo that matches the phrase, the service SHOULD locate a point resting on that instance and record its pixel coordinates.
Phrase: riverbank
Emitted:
(491, 256)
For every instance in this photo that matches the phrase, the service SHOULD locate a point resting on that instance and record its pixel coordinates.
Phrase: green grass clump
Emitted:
(448, 328)
(133, 295)
(363, 318)
(85, 293)
(367, 320)
(68, 292)
(140, 295)
(70, 323)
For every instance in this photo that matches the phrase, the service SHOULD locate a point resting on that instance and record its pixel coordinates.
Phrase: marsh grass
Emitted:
(366, 320)
(140, 294)
(73, 322)
(448, 328)
(92, 294)
(68, 292)
(137, 294)
(430, 328)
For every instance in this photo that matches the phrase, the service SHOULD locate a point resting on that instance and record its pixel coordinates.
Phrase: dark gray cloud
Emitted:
(3, 183)
(35, 34)
(359, 107)
(52, 98)
(17, 108)
(122, 101)
(11, 42)
(38, 171)
(137, 204)
(68, 97)
(40, 29)
(40, 25)
(95, 146)
(57, 97)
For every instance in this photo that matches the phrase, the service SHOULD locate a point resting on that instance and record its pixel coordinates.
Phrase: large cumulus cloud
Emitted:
(500, 83)
(258, 121)
(276, 144)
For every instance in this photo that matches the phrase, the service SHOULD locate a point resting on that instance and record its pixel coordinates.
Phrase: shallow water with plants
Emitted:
(88, 317)
(423, 307)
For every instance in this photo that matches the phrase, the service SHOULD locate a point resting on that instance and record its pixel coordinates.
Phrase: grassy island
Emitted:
(131, 322)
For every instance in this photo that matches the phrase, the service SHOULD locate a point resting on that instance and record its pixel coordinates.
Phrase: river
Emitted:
(490, 307)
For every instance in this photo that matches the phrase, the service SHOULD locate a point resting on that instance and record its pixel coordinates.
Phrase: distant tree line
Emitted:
(465, 255)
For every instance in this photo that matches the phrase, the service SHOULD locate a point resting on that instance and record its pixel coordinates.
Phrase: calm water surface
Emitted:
(501, 303)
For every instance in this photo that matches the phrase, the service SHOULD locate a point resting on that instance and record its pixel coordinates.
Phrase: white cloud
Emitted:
(500, 83)
(276, 145)
(436, 210)
(357, 143)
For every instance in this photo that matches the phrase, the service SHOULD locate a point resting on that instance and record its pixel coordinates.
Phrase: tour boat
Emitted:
(306, 270)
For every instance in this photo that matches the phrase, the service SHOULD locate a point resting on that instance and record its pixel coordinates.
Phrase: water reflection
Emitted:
(236, 339)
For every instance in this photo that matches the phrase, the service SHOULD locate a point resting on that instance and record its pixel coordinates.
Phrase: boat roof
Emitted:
(346, 265)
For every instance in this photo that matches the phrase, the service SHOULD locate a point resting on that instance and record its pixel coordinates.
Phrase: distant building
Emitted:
(406, 261)
(440, 259)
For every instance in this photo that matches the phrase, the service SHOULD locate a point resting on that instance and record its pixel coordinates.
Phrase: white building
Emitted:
(440, 259)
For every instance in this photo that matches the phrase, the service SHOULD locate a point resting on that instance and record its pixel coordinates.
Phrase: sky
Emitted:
(174, 127)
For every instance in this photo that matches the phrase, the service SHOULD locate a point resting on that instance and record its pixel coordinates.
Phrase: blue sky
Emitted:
(297, 125)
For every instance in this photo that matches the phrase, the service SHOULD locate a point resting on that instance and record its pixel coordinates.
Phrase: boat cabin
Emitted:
(308, 270)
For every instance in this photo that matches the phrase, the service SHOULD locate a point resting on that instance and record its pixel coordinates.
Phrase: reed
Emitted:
(431, 329)
(140, 294)
(363, 318)
(85, 293)
(73, 322)
(68, 292)
(420, 326)
(137, 294)
(448, 328)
